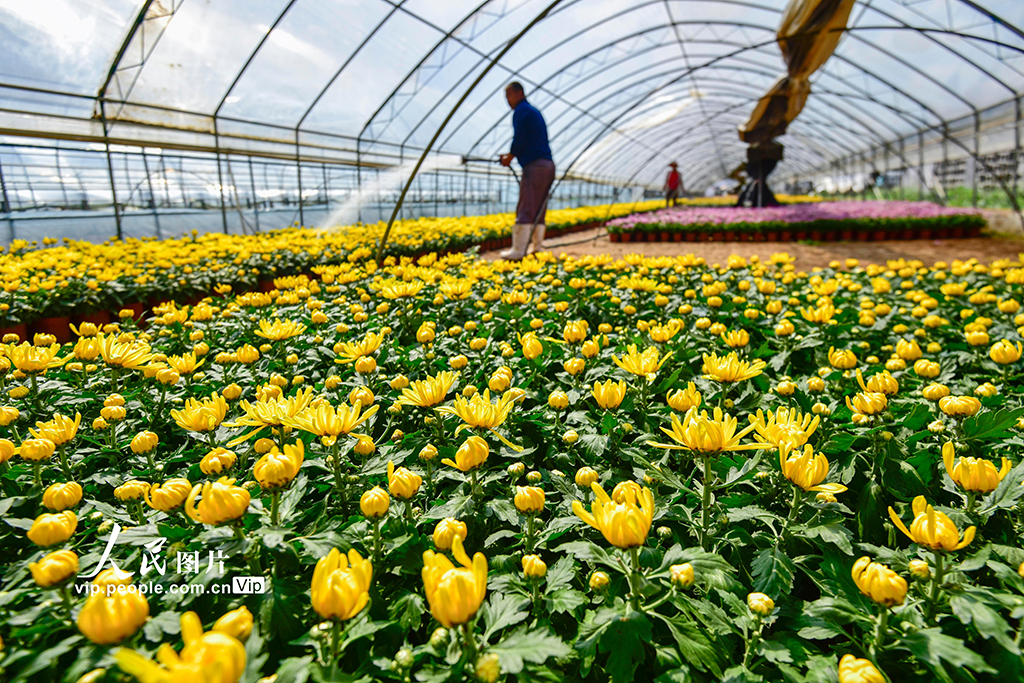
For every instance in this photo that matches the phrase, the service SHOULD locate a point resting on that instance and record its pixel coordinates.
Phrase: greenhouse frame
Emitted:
(168, 115)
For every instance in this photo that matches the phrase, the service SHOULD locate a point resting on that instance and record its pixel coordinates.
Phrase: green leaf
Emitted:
(294, 670)
(773, 572)
(407, 610)
(503, 509)
(834, 533)
(1007, 494)
(751, 512)
(692, 644)
(774, 652)
(970, 608)
(596, 444)
(564, 600)
(938, 650)
(528, 645)
(561, 573)
(991, 424)
(624, 640)
(503, 610)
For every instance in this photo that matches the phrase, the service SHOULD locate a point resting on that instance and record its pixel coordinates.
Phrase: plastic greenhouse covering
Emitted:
(250, 104)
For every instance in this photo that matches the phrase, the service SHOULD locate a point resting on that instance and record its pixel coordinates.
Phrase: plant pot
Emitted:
(21, 329)
(691, 237)
(757, 237)
(864, 235)
(848, 234)
(627, 237)
(664, 236)
(941, 233)
(785, 236)
(880, 235)
(974, 231)
(817, 236)
(800, 235)
(59, 326)
(908, 234)
(957, 232)
(677, 236)
(615, 237)
(925, 233)
(99, 318)
(729, 236)
(771, 236)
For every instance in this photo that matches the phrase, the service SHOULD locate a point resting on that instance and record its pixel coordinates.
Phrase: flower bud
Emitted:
(599, 581)
(439, 638)
(558, 400)
(534, 567)
(487, 668)
(533, 476)
(529, 499)
(919, 569)
(446, 531)
(144, 442)
(516, 469)
(760, 604)
(374, 503)
(428, 453)
(585, 476)
(682, 575)
(570, 437)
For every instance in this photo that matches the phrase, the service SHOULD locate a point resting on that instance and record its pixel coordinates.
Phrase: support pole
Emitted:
(426, 150)
(220, 178)
(298, 172)
(920, 165)
(255, 198)
(6, 206)
(1016, 147)
(152, 197)
(110, 170)
(974, 176)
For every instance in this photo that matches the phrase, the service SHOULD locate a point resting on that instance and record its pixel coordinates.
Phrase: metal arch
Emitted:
(483, 58)
(729, 55)
(412, 176)
(686, 63)
(752, 99)
(991, 15)
(252, 56)
(868, 72)
(632, 85)
(681, 77)
(903, 25)
(448, 36)
(617, 151)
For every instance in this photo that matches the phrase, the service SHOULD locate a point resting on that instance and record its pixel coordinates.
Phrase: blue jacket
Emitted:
(530, 138)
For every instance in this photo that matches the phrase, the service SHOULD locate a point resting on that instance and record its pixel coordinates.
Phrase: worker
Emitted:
(673, 185)
(530, 147)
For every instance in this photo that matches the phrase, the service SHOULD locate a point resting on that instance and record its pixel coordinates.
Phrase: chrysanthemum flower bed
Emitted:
(580, 470)
(81, 279)
(824, 221)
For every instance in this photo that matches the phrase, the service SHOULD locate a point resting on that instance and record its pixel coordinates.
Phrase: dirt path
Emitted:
(985, 249)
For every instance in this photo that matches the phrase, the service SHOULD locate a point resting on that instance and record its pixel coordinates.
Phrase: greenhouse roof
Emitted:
(626, 87)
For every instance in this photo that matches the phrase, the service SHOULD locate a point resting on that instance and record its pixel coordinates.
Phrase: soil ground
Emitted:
(1005, 240)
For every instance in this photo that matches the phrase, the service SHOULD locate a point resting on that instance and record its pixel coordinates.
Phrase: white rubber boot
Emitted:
(538, 238)
(520, 236)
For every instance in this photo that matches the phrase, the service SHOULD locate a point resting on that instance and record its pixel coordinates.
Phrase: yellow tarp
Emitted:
(807, 36)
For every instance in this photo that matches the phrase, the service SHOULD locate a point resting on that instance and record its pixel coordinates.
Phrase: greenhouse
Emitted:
(511, 340)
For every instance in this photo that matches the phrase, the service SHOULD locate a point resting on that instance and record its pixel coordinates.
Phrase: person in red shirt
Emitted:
(673, 185)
